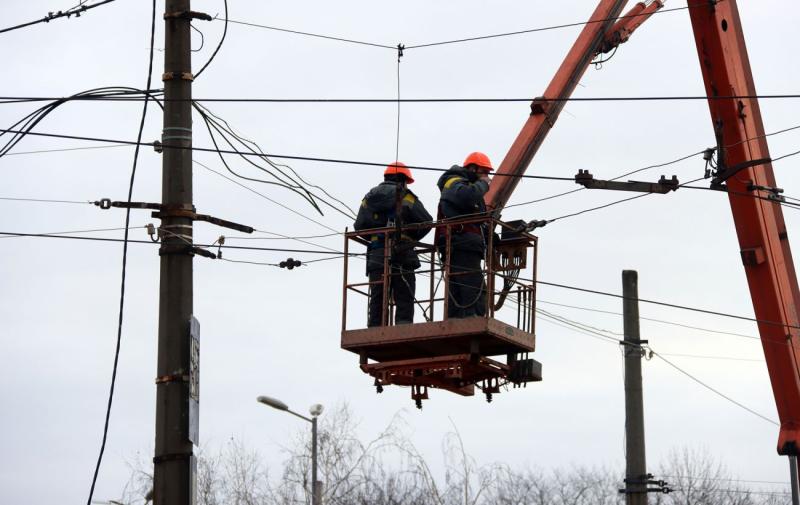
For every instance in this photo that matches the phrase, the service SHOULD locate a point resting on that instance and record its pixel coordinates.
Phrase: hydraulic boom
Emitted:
(743, 169)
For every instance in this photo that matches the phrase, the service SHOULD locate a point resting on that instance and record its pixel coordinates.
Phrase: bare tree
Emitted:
(391, 470)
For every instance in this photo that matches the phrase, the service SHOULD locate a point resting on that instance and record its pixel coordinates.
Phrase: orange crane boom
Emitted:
(604, 30)
(741, 151)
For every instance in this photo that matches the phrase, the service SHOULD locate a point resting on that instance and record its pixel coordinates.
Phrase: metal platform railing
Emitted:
(509, 251)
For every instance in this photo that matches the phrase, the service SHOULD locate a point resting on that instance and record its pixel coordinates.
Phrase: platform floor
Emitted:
(438, 338)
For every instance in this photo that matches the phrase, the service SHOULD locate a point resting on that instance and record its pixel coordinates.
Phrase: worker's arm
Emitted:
(414, 212)
(465, 195)
(364, 217)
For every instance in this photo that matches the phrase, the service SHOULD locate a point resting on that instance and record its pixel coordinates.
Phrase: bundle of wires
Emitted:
(280, 174)
(27, 123)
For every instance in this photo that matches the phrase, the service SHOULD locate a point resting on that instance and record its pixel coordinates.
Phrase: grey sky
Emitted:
(276, 332)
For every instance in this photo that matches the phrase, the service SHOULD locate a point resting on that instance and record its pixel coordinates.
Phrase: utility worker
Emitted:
(462, 190)
(391, 203)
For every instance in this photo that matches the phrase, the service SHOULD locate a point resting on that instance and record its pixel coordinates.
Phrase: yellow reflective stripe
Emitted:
(449, 182)
(364, 203)
(409, 198)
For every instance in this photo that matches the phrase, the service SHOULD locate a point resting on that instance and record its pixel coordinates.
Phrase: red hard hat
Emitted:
(399, 168)
(479, 159)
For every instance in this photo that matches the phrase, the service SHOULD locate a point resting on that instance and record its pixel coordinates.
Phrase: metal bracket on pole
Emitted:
(188, 15)
(724, 173)
(162, 211)
(663, 186)
(168, 76)
(647, 479)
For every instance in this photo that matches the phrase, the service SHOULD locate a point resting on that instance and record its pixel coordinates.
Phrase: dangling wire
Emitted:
(598, 64)
(400, 48)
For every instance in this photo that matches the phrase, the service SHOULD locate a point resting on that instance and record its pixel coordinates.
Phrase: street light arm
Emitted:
(301, 416)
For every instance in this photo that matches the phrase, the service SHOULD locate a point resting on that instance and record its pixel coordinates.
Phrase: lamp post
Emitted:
(315, 410)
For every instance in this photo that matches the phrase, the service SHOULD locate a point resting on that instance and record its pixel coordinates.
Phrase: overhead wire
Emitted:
(592, 291)
(285, 237)
(51, 16)
(397, 138)
(124, 263)
(293, 211)
(309, 34)
(27, 123)
(219, 45)
(701, 478)
(652, 320)
(86, 148)
(279, 181)
(149, 242)
(547, 28)
(70, 232)
(42, 200)
(294, 181)
(392, 101)
(712, 389)
(606, 338)
(660, 165)
(701, 356)
(663, 304)
(460, 40)
(279, 156)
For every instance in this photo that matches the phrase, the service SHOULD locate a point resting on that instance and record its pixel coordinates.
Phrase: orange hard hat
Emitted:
(399, 168)
(480, 160)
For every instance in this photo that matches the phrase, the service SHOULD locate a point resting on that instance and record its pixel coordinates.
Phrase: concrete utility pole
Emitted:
(176, 387)
(635, 464)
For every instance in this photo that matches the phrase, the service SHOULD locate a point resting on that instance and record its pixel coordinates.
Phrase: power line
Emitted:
(577, 330)
(575, 326)
(292, 181)
(124, 258)
(309, 34)
(262, 155)
(599, 207)
(298, 239)
(716, 391)
(660, 165)
(250, 262)
(284, 237)
(699, 356)
(219, 46)
(298, 213)
(663, 304)
(649, 98)
(252, 248)
(71, 232)
(130, 241)
(76, 11)
(543, 29)
(454, 41)
(66, 149)
(572, 325)
(40, 200)
(652, 320)
(604, 334)
(737, 491)
(785, 483)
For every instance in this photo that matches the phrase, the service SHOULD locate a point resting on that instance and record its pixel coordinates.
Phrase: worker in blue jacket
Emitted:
(379, 209)
(462, 191)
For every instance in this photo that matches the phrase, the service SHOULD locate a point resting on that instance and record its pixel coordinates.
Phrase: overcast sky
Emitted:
(276, 332)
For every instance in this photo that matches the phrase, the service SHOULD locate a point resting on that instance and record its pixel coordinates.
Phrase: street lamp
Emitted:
(315, 411)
